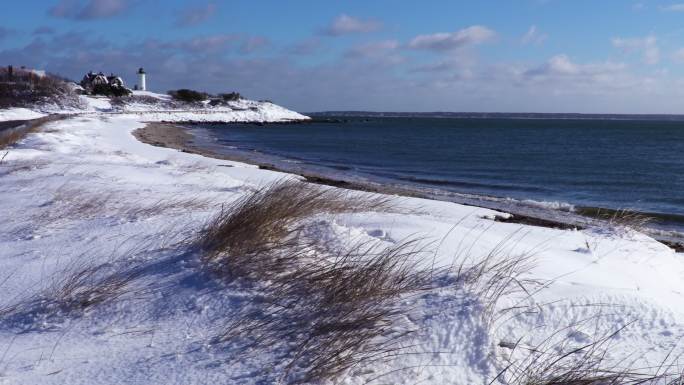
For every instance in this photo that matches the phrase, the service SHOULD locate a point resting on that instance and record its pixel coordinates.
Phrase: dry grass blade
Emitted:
(76, 203)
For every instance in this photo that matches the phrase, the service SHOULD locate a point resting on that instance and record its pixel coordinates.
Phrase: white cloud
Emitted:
(376, 48)
(345, 24)
(533, 36)
(309, 46)
(210, 43)
(647, 46)
(445, 41)
(678, 7)
(195, 15)
(563, 66)
(253, 44)
(92, 9)
(678, 56)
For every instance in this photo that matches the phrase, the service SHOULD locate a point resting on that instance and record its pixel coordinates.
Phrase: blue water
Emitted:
(617, 164)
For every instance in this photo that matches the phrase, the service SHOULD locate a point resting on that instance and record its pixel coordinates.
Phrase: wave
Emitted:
(553, 205)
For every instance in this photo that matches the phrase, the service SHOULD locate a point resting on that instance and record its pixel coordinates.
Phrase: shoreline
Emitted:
(176, 136)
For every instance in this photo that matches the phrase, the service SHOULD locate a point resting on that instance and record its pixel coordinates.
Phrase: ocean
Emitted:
(567, 165)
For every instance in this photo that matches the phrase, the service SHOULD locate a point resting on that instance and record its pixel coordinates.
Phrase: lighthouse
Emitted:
(141, 79)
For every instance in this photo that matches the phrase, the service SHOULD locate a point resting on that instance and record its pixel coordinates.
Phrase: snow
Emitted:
(97, 103)
(238, 111)
(590, 282)
(19, 114)
(151, 94)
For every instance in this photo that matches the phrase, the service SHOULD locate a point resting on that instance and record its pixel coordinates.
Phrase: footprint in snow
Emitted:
(380, 234)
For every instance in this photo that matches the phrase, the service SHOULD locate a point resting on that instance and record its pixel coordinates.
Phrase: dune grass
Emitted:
(80, 288)
(70, 292)
(568, 363)
(255, 236)
(331, 309)
(72, 202)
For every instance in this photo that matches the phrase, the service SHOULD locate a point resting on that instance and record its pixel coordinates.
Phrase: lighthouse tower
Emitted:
(141, 79)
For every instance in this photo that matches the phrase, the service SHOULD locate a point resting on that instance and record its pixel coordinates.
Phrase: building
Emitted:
(100, 84)
(142, 84)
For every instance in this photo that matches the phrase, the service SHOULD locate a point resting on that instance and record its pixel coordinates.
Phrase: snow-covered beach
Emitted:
(83, 191)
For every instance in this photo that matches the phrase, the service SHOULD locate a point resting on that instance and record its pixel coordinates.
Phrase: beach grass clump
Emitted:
(70, 292)
(76, 203)
(259, 235)
(334, 312)
(329, 308)
(627, 219)
(87, 286)
(568, 363)
(501, 272)
(619, 220)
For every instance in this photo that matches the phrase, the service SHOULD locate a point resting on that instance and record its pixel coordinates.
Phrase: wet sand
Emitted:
(164, 135)
(174, 135)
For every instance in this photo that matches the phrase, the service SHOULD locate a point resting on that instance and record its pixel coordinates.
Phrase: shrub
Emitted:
(25, 89)
(230, 97)
(109, 90)
(188, 96)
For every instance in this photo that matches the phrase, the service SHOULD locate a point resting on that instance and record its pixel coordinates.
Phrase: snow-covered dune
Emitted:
(149, 106)
(86, 192)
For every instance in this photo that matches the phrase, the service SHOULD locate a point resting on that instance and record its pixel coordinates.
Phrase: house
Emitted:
(99, 84)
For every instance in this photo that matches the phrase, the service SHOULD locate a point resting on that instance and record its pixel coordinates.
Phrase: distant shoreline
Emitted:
(504, 115)
(176, 136)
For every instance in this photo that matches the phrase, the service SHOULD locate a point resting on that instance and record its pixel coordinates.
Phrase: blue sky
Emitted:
(518, 56)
